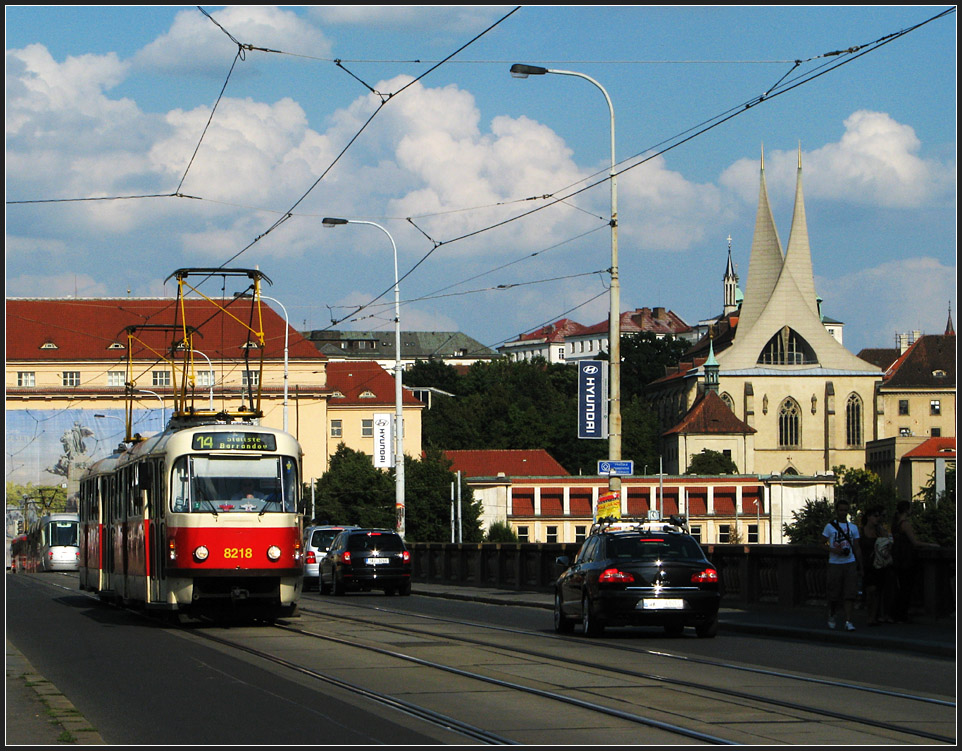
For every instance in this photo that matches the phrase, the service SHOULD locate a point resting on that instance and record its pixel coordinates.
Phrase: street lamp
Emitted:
(519, 70)
(287, 332)
(398, 413)
(163, 407)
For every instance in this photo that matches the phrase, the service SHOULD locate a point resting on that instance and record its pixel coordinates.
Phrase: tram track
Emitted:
(725, 690)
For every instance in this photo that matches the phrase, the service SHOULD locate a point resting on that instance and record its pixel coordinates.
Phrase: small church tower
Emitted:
(731, 284)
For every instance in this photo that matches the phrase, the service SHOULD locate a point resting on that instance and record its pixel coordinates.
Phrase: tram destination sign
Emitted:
(234, 441)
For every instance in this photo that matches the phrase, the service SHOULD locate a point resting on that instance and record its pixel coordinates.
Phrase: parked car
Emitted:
(639, 574)
(317, 541)
(366, 559)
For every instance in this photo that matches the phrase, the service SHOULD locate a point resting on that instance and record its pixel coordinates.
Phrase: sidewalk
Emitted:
(924, 635)
(37, 713)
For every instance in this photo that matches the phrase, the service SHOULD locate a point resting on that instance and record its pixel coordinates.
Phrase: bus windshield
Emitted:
(208, 484)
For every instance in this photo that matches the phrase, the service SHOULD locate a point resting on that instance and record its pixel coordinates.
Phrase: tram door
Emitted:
(156, 533)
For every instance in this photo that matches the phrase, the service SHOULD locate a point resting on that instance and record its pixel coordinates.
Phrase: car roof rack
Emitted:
(674, 524)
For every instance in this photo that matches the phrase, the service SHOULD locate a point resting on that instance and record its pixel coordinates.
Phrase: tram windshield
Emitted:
(62, 534)
(215, 485)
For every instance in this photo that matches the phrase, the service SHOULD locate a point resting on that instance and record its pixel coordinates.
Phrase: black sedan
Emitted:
(648, 574)
(366, 559)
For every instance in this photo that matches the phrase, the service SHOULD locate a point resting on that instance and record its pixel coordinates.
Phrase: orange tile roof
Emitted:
(933, 448)
(355, 377)
(709, 414)
(512, 462)
(85, 329)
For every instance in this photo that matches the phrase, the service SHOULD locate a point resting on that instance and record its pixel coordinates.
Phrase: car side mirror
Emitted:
(563, 561)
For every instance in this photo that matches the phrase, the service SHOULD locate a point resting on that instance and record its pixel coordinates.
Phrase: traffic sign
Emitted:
(607, 468)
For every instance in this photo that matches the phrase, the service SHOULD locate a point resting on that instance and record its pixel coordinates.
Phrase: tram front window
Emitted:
(203, 484)
(62, 534)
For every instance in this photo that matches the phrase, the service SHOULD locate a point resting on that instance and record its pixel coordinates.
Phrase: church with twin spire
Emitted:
(769, 385)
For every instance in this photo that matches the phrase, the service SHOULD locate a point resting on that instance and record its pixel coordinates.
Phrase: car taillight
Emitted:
(615, 576)
(406, 555)
(346, 556)
(708, 576)
(311, 558)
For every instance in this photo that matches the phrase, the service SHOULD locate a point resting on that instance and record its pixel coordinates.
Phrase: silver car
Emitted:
(317, 541)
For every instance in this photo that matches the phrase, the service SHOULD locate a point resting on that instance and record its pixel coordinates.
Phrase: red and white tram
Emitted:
(202, 519)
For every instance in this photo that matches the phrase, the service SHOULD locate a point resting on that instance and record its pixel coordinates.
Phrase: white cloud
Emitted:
(57, 285)
(434, 17)
(876, 163)
(195, 44)
(916, 292)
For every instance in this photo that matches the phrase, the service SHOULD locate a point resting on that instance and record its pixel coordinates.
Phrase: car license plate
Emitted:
(666, 603)
(377, 561)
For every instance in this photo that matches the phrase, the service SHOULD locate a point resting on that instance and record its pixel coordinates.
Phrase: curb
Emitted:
(74, 727)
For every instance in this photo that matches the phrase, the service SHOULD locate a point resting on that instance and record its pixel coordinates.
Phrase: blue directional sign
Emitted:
(607, 468)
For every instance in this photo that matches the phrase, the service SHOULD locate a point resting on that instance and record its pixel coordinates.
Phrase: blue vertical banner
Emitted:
(592, 399)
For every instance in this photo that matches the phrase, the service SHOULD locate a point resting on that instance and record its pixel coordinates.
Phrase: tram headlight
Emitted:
(201, 553)
(274, 552)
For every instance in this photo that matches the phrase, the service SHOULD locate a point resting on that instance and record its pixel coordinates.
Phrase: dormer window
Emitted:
(939, 373)
(368, 395)
(337, 395)
(49, 345)
(115, 345)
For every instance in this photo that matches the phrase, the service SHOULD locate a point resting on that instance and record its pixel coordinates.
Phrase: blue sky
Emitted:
(112, 102)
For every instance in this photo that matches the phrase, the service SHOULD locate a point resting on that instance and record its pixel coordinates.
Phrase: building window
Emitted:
(336, 429)
(753, 533)
(552, 534)
(71, 378)
(724, 533)
(580, 533)
(935, 407)
(367, 428)
(696, 533)
(160, 378)
(26, 378)
(561, 353)
(853, 421)
(251, 378)
(789, 424)
(115, 378)
(905, 432)
(205, 378)
(936, 432)
(522, 534)
(903, 406)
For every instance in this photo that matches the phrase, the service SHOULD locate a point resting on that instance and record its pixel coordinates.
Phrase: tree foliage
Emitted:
(935, 522)
(354, 492)
(710, 462)
(809, 522)
(39, 499)
(500, 532)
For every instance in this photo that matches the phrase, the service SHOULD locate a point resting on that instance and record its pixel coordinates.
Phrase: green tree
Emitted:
(864, 489)
(40, 499)
(809, 522)
(935, 522)
(427, 500)
(644, 357)
(353, 491)
(434, 373)
(500, 532)
(710, 462)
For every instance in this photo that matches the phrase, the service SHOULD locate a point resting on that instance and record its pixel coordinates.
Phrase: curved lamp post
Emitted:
(519, 70)
(163, 407)
(399, 414)
(287, 332)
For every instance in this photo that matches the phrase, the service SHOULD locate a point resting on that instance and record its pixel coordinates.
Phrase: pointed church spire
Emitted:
(765, 262)
(798, 256)
(949, 328)
(730, 280)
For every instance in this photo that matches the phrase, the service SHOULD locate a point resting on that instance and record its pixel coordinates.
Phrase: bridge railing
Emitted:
(782, 575)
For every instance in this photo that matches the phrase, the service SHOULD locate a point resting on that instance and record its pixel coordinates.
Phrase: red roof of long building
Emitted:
(510, 462)
(710, 415)
(933, 448)
(92, 329)
(352, 379)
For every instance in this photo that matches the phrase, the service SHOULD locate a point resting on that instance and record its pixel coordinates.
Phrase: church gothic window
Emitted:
(789, 424)
(787, 347)
(729, 402)
(853, 420)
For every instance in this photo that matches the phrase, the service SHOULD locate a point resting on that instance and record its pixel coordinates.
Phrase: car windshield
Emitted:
(653, 547)
(322, 538)
(375, 541)
(207, 484)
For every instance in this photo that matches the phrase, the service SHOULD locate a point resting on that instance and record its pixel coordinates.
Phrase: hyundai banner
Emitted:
(383, 439)
(592, 399)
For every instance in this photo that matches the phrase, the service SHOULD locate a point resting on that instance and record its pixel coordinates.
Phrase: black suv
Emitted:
(366, 559)
(641, 574)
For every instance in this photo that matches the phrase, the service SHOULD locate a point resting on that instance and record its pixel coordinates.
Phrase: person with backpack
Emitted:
(844, 564)
(904, 552)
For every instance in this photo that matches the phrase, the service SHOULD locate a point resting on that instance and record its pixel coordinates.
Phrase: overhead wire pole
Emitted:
(519, 70)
